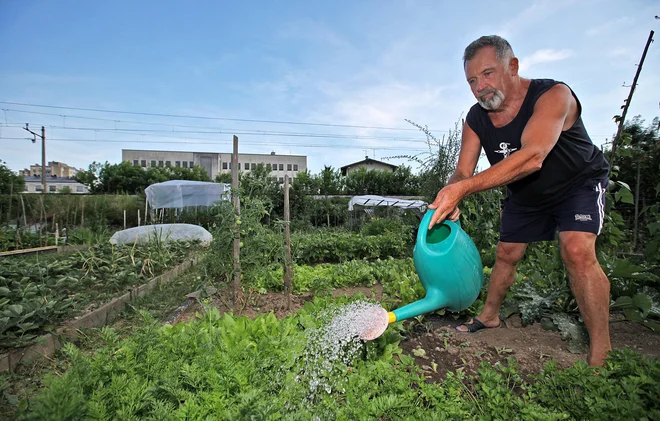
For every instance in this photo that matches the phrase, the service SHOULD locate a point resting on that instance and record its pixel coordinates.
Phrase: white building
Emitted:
(217, 163)
(369, 164)
(54, 184)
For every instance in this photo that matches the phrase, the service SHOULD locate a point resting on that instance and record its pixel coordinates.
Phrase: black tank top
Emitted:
(573, 160)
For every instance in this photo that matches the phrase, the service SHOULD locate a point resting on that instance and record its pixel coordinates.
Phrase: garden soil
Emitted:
(438, 348)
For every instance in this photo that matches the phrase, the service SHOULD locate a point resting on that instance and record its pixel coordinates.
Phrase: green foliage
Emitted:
(98, 211)
(223, 367)
(9, 181)
(332, 246)
(400, 282)
(128, 178)
(626, 388)
(37, 293)
(401, 182)
(480, 218)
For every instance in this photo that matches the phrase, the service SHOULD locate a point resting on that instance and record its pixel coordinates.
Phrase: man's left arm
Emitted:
(539, 137)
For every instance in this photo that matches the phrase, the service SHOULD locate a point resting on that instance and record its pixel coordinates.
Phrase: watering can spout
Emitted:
(449, 267)
(434, 300)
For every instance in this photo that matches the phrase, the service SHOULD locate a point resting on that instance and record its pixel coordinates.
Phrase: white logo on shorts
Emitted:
(583, 218)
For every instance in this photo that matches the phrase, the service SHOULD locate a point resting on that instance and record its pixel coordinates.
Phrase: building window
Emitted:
(191, 164)
(38, 188)
(239, 166)
(230, 166)
(153, 162)
(295, 167)
(143, 163)
(185, 164)
(269, 168)
(160, 163)
(52, 188)
(281, 167)
(177, 163)
(168, 163)
(281, 179)
(79, 189)
(288, 167)
(135, 162)
(224, 165)
(253, 166)
(26, 188)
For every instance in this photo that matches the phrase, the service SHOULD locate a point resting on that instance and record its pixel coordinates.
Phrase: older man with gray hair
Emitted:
(533, 135)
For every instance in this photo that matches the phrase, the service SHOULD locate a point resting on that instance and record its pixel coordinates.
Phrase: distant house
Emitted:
(54, 184)
(369, 164)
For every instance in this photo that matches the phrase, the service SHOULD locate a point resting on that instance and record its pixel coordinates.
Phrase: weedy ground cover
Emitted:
(224, 367)
(39, 292)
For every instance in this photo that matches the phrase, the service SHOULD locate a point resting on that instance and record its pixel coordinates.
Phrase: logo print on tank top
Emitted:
(504, 149)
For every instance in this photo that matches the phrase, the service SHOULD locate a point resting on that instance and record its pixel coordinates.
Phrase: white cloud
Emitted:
(543, 56)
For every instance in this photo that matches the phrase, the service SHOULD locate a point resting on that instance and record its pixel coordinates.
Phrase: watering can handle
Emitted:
(424, 226)
(426, 220)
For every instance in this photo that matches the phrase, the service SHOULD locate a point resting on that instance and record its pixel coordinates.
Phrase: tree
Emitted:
(640, 150)
(330, 181)
(224, 177)
(128, 178)
(90, 176)
(9, 181)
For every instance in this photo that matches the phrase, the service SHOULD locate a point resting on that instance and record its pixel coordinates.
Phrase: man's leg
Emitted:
(501, 278)
(591, 289)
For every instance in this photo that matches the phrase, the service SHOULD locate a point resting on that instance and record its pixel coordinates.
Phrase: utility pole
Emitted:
(43, 153)
(622, 118)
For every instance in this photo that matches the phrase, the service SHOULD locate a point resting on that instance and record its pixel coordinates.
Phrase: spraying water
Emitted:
(333, 346)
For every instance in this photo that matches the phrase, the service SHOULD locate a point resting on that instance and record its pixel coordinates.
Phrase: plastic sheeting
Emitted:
(370, 200)
(179, 194)
(162, 232)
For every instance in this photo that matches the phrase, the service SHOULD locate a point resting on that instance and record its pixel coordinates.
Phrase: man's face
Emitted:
(488, 78)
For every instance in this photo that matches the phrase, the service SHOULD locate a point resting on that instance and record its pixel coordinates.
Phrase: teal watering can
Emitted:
(448, 265)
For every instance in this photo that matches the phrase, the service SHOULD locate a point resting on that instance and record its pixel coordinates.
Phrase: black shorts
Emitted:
(582, 209)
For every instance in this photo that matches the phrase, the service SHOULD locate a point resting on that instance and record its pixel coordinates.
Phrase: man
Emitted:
(534, 138)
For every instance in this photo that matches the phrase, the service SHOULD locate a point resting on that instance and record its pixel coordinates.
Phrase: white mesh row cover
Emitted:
(179, 194)
(370, 200)
(162, 232)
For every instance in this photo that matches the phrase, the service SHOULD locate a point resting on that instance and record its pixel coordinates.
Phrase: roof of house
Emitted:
(37, 179)
(369, 161)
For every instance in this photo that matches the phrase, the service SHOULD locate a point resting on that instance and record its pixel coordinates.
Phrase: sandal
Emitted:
(475, 326)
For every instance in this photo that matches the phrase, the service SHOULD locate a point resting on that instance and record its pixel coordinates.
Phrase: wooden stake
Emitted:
(23, 206)
(236, 284)
(124, 218)
(287, 240)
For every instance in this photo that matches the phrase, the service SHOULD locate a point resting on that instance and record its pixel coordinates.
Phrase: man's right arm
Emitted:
(468, 157)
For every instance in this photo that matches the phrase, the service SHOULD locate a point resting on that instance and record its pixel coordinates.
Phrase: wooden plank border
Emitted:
(48, 344)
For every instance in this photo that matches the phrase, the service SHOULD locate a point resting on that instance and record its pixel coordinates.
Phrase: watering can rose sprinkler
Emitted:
(448, 265)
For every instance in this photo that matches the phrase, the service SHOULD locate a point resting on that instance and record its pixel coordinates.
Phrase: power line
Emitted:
(235, 132)
(334, 146)
(224, 131)
(209, 118)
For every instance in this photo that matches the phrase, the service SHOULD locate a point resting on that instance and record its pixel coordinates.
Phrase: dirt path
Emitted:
(438, 348)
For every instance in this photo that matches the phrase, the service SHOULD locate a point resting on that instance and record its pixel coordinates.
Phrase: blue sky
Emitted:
(367, 64)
